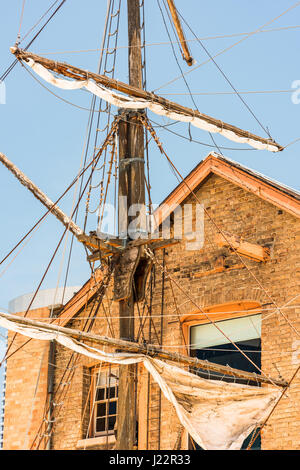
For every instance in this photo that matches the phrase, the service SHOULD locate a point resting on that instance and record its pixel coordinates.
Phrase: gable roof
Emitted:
(270, 190)
(278, 194)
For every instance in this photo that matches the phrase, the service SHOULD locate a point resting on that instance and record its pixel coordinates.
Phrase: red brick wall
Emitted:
(26, 388)
(239, 212)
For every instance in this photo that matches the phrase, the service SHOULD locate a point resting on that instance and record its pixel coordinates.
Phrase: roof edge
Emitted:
(270, 190)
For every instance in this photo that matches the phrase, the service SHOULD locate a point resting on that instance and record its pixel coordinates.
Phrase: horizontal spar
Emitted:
(139, 98)
(185, 48)
(146, 349)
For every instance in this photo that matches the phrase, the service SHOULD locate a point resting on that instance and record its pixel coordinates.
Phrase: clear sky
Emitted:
(44, 136)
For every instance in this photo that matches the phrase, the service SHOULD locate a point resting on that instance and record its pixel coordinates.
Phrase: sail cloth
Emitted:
(216, 414)
(127, 102)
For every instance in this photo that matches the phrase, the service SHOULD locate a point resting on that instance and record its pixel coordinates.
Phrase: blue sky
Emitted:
(44, 136)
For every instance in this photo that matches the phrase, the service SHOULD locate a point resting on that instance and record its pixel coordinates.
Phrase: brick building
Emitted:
(239, 281)
(2, 395)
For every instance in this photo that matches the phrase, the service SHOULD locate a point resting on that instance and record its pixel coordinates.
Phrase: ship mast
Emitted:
(131, 192)
(128, 256)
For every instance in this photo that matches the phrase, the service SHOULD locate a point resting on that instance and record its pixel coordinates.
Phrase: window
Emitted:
(104, 401)
(207, 342)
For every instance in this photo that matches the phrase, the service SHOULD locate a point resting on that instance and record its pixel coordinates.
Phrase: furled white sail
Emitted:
(126, 102)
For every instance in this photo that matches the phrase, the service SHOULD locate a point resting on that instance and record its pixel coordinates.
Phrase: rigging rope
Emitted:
(230, 47)
(75, 357)
(255, 435)
(104, 36)
(168, 275)
(217, 93)
(113, 129)
(112, 18)
(253, 311)
(20, 25)
(87, 144)
(180, 68)
(14, 63)
(219, 230)
(227, 79)
(49, 210)
(198, 141)
(166, 43)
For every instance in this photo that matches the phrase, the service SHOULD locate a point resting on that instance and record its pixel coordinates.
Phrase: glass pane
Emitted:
(101, 379)
(257, 443)
(238, 329)
(100, 425)
(111, 393)
(101, 410)
(111, 422)
(193, 445)
(227, 354)
(112, 408)
(100, 394)
(106, 393)
(112, 379)
(212, 346)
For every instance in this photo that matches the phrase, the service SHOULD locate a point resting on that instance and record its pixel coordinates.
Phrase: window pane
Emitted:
(100, 425)
(212, 346)
(257, 443)
(238, 329)
(111, 422)
(112, 408)
(111, 393)
(112, 379)
(100, 394)
(101, 379)
(101, 410)
(106, 394)
(227, 354)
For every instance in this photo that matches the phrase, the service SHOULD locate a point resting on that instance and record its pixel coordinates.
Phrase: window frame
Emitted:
(217, 312)
(102, 369)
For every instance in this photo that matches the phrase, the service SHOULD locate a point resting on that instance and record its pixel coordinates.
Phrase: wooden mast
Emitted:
(132, 187)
